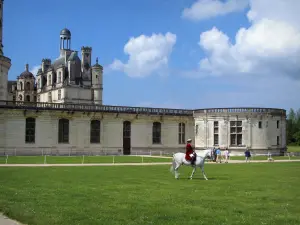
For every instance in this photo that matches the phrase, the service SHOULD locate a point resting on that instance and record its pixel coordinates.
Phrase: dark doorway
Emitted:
(126, 137)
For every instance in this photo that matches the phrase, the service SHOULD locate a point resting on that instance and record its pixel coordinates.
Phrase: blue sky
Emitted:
(169, 72)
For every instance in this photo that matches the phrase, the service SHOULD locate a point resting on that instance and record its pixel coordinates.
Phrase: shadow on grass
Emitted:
(202, 178)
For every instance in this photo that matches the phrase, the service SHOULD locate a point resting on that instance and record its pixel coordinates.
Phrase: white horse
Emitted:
(179, 159)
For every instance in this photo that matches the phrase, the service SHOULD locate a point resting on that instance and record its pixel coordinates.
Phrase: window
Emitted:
(49, 97)
(34, 98)
(63, 131)
(59, 95)
(27, 98)
(259, 124)
(20, 97)
(49, 80)
(14, 98)
(156, 133)
(30, 130)
(95, 131)
(197, 128)
(216, 133)
(27, 87)
(181, 133)
(59, 77)
(277, 124)
(236, 136)
(278, 141)
(21, 86)
(38, 83)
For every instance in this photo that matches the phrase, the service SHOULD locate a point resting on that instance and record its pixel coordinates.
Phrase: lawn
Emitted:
(79, 159)
(260, 193)
(293, 149)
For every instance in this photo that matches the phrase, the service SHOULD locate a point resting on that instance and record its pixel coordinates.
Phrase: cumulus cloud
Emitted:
(147, 55)
(269, 47)
(206, 9)
(35, 69)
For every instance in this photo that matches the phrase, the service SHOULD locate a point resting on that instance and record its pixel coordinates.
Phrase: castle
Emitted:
(68, 79)
(60, 110)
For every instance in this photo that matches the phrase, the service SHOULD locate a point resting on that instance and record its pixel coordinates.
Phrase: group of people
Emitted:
(190, 154)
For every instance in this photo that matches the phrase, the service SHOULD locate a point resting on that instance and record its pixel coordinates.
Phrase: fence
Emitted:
(88, 151)
(75, 151)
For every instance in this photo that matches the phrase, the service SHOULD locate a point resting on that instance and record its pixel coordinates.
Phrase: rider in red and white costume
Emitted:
(189, 151)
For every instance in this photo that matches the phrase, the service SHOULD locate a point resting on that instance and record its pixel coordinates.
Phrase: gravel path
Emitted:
(6, 221)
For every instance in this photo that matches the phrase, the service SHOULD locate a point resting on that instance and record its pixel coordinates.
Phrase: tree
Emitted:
(293, 127)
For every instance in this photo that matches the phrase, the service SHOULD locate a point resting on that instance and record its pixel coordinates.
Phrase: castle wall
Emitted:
(13, 126)
(257, 131)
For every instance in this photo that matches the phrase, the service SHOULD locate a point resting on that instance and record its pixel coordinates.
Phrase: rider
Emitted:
(189, 152)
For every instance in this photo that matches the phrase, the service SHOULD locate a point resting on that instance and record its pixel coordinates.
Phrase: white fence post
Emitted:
(6, 159)
(45, 159)
(113, 159)
(82, 159)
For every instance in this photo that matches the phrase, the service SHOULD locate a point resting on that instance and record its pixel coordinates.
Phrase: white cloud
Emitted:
(269, 47)
(206, 9)
(35, 69)
(147, 55)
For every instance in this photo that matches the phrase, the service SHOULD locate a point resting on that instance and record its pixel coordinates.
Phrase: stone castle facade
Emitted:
(68, 79)
(60, 110)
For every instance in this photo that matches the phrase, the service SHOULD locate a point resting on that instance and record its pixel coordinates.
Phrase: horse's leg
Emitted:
(194, 169)
(176, 170)
(202, 168)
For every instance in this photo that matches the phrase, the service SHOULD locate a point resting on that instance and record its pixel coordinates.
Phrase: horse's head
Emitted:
(211, 154)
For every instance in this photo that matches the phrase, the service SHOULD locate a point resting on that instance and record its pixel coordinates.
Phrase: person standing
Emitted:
(247, 155)
(226, 155)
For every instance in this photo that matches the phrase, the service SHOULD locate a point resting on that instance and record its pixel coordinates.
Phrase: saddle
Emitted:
(191, 159)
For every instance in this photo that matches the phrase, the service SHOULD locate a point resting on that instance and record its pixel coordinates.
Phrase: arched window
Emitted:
(30, 130)
(21, 86)
(27, 86)
(126, 129)
(181, 133)
(156, 133)
(27, 98)
(95, 131)
(20, 97)
(63, 131)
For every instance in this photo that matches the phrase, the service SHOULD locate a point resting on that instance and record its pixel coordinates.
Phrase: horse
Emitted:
(179, 159)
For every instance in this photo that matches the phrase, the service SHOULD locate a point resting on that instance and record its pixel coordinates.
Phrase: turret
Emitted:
(97, 83)
(86, 61)
(5, 63)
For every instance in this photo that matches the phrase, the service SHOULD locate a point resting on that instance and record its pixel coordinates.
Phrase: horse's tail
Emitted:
(173, 166)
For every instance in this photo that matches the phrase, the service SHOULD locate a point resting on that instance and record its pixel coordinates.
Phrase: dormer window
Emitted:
(49, 80)
(59, 77)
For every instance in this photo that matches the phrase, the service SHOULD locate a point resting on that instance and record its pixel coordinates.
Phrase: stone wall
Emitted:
(13, 124)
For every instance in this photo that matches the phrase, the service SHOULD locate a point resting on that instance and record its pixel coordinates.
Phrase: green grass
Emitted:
(264, 157)
(78, 159)
(293, 149)
(260, 193)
